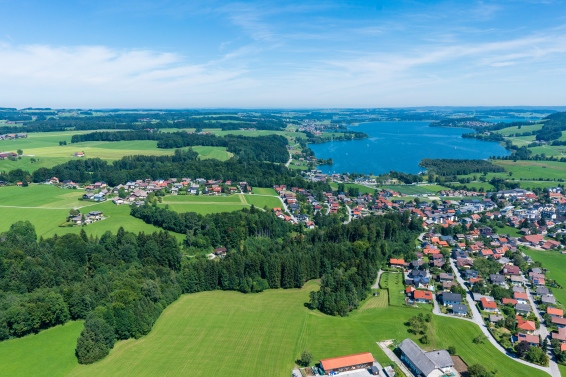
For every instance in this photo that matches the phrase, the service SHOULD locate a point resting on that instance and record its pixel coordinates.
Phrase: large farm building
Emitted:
(345, 363)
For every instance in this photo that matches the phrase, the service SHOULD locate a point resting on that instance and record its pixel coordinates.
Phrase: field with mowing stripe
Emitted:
(363, 189)
(232, 334)
(49, 353)
(206, 208)
(377, 302)
(264, 191)
(263, 201)
(415, 190)
(393, 282)
(236, 198)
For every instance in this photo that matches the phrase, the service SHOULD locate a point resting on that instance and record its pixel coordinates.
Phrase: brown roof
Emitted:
(346, 361)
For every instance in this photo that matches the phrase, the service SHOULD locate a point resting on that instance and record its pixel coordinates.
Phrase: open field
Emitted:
(287, 134)
(214, 204)
(49, 353)
(533, 169)
(514, 130)
(363, 189)
(47, 207)
(415, 190)
(393, 282)
(555, 263)
(232, 334)
(45, 149)
(263, 201)
(264, 191)
(550, 150)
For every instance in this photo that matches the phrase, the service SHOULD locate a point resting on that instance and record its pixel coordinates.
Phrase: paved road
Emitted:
(287, 209)
(376, 285)
(477, 318)
(392, 356)
(349, 214)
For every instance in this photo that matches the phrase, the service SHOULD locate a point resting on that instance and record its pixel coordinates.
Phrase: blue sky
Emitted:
(281, 54)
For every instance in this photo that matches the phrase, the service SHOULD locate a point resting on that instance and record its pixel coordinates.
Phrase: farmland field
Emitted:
(534, 169)
(47, 207)
(233, 334)
(214, 204)
(363, 189)
(45, 149)
(513, 130)
(49, 353)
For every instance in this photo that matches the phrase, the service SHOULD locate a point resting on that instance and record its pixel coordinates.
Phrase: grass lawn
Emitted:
(263, 201)
(413, 190)
(363, 189)
(550, 150)
(226, 333)
(264, 191)
(393, 282)
(49, 353)
(186, 199)
(554, 262)
(207, 152)
(512, 232)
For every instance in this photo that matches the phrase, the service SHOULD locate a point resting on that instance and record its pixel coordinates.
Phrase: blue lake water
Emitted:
(400, 146)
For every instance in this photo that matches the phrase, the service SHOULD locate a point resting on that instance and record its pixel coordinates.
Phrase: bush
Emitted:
(95, 340)
(452, 350)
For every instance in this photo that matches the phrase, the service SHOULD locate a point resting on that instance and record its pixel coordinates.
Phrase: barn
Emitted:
(345, 363)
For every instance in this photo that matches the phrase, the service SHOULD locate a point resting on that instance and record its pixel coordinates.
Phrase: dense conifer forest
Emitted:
(120, 283)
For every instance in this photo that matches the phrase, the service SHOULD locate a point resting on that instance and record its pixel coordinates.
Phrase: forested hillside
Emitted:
(121, 282)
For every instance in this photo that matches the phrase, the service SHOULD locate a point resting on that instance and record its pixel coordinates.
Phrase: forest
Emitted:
(120, 283)
(452, 167)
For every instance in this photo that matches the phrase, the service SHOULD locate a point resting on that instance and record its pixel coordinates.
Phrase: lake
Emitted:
(400, 146)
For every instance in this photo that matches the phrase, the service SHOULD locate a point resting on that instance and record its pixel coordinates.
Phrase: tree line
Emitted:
(452, 167)
(120, 283)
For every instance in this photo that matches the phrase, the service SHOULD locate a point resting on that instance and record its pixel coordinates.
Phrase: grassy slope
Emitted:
(48, 206)
(231, 334)
(555, 262)
(49, 353)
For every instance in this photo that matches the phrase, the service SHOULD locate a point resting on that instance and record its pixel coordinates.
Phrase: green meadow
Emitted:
(264, 191)
(215, 204)
(44, 148)
(47, 207)
(554, 262)
(226, 333)
(49, 353)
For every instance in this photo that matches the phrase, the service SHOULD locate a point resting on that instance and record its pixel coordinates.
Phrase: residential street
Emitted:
(477, 318)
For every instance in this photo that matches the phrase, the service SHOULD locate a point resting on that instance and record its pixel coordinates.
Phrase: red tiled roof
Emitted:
(554, 311)
(427, 295)
(346, 361)
(397, 261)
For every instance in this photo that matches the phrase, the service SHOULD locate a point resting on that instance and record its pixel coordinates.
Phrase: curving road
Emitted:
(477, 318)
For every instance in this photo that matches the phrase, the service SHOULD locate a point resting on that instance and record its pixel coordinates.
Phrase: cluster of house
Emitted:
(89, 218)
(21, 135)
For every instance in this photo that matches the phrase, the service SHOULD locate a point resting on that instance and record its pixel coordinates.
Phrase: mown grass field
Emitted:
(232, 334)
(533, 169)
(263, 201)
(264, 191)
(363, 189)
(556, 265)
(49, 353)
(47, 207)
(215, 204)
(415, 190)
(393, 282)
